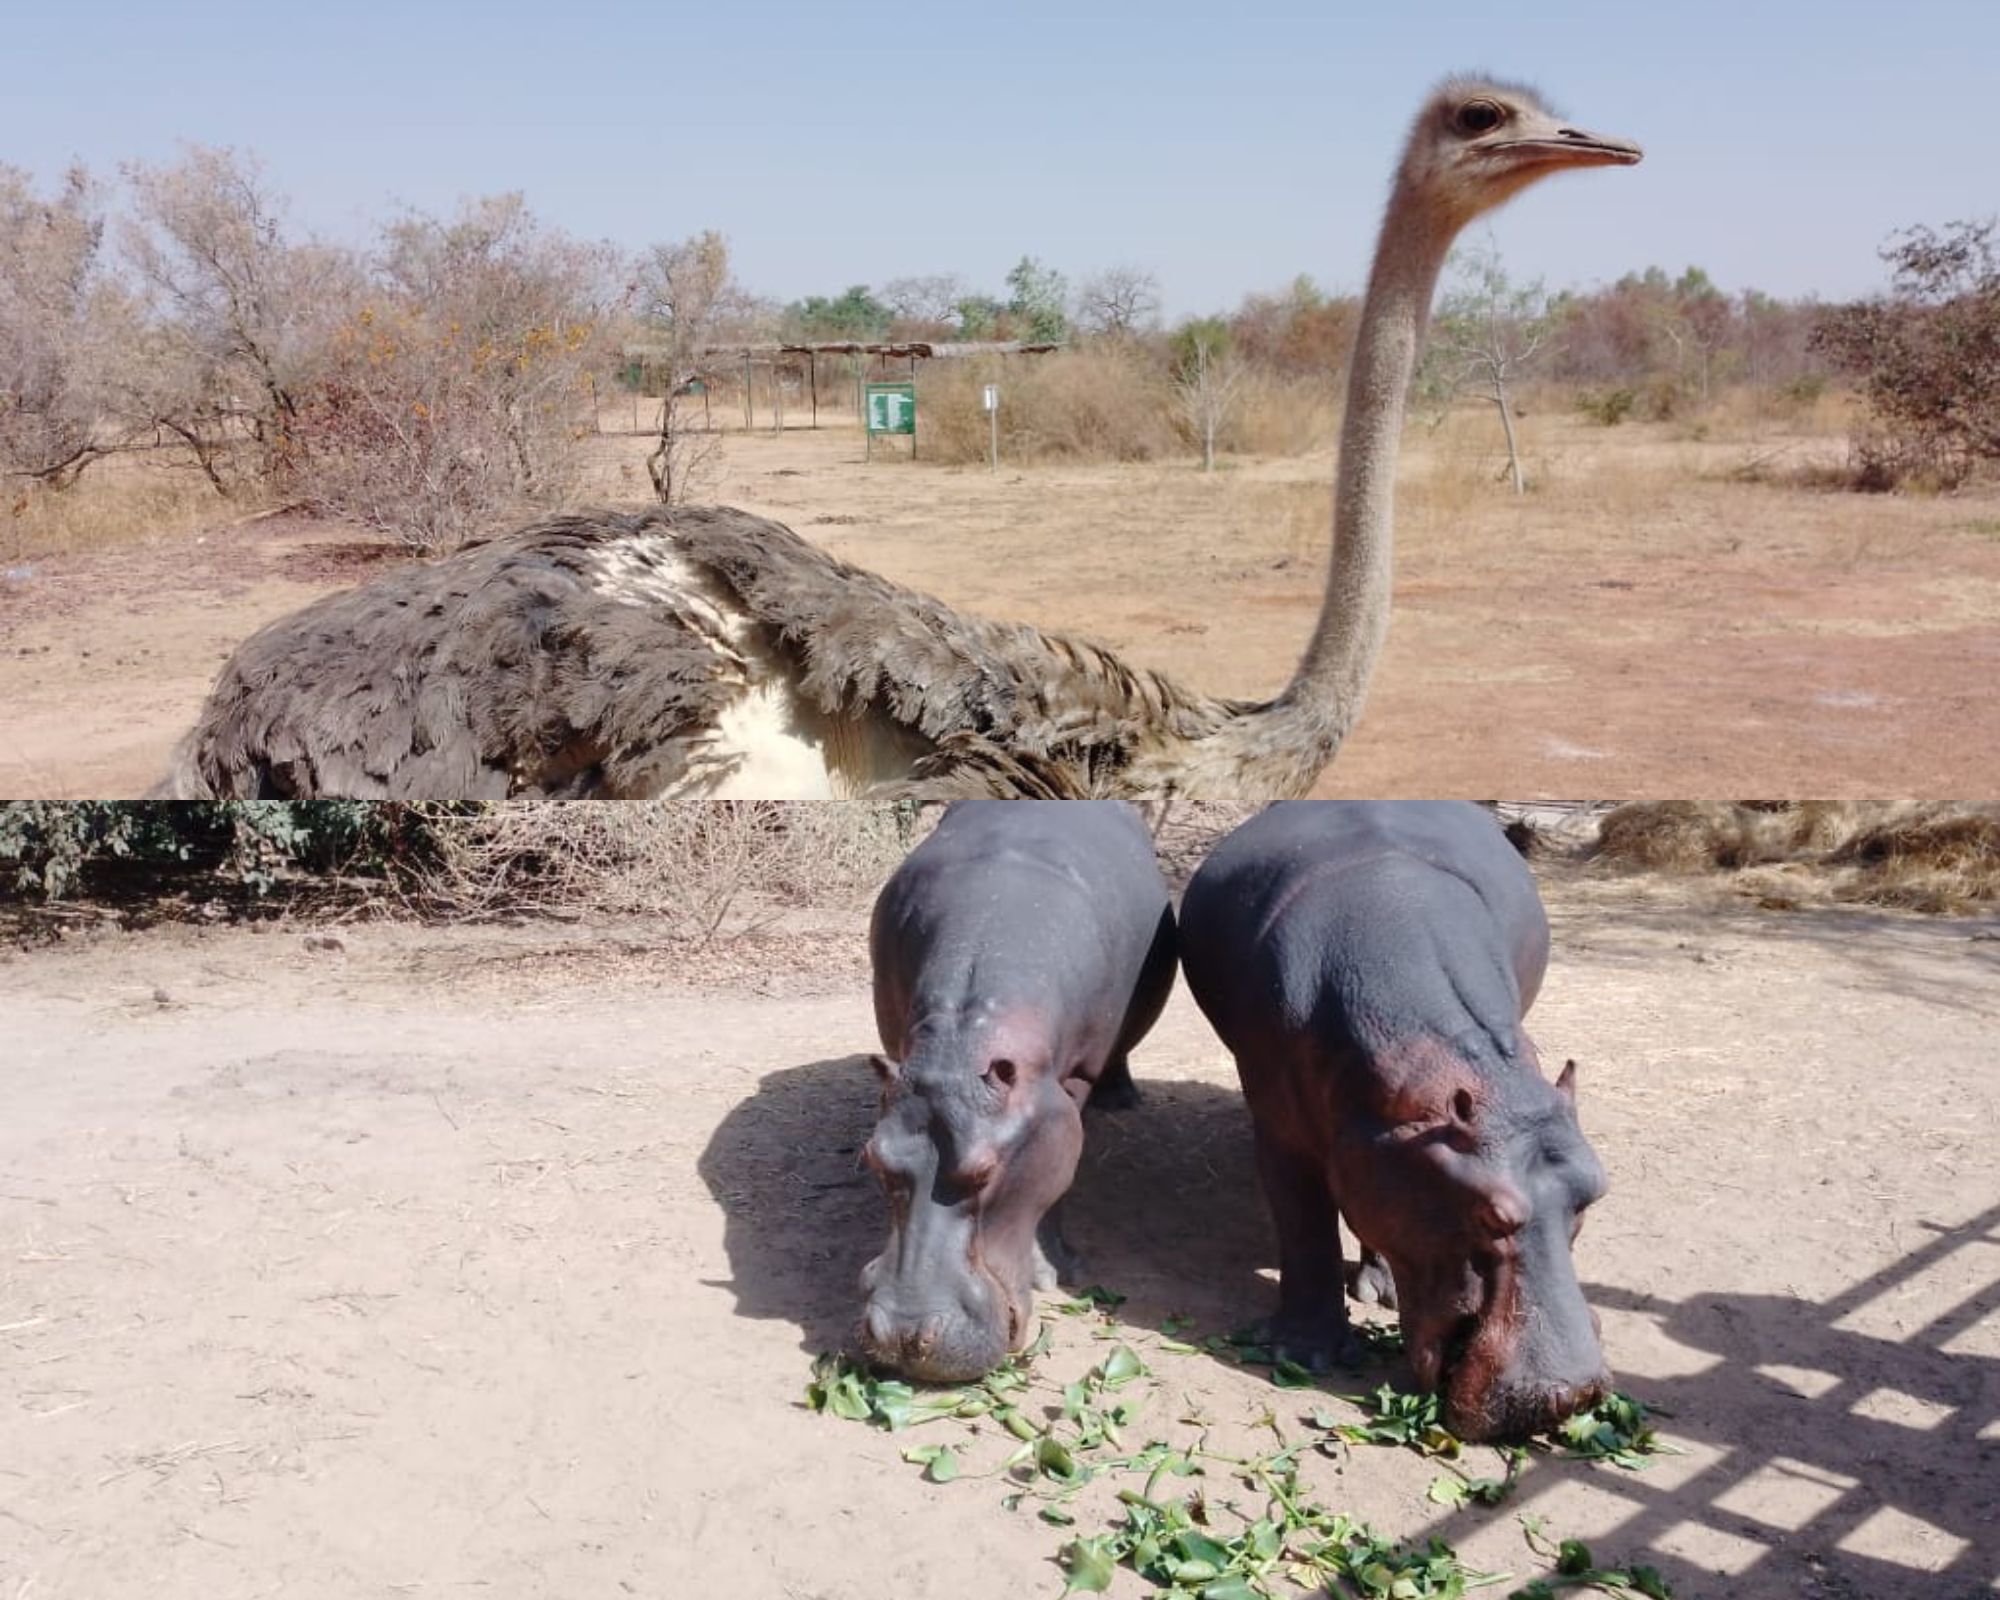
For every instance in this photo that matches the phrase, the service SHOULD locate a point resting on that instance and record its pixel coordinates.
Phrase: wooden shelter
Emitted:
(643, 361)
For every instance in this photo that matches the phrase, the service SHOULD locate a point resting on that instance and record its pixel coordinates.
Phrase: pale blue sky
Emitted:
(1228, 146)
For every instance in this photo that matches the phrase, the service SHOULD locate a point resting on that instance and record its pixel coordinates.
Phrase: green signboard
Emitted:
(892, 408)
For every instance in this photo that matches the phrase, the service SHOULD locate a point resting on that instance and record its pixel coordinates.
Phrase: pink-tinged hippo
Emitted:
(1020, 952)
(1369, 965)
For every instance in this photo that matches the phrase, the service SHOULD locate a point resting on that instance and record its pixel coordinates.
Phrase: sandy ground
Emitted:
(444, 1262)
(1640, 626)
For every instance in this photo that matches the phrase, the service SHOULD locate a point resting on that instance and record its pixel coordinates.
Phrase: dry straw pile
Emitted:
(1916, 855)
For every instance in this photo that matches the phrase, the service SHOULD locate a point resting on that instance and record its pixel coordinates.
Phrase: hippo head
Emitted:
(1473, 1188)
(977, 1140)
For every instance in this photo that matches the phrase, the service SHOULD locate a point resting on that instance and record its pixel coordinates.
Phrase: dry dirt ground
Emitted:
(450, 1262)
(1642, 625)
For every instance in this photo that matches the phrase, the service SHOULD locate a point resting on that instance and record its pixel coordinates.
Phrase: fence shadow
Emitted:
(1836, 1455)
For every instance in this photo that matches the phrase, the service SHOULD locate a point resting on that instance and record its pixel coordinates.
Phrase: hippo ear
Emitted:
(1567, 1082)
(885, 1069)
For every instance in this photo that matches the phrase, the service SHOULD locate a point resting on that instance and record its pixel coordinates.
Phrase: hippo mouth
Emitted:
(1480, 1396)
(957, 1343)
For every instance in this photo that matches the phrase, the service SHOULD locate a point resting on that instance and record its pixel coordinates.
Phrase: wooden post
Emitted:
(746, 391)
(812, 372)
(777, 395)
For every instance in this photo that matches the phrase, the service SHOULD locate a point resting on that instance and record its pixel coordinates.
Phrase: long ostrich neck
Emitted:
(1354, 618)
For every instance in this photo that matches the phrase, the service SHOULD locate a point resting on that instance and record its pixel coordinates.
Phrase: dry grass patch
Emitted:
(1916, 855)
(1098, 403)
(126, 498)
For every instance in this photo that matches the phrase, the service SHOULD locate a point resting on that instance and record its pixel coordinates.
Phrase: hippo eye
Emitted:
(1479, 116)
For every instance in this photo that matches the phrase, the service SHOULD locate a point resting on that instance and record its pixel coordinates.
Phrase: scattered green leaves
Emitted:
(849, 1390)
(1088, 1563)
(939, 1461)
(1171, 1537)
(1577, 1568)
(1454, 1488)
(1090, 1300)
(1395, 1417)
(1614, 1430)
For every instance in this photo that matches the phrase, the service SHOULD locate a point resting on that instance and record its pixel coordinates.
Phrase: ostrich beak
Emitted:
(1567, 147)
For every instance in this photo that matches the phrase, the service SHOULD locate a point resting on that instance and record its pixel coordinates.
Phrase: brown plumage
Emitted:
(710, 652)
(593, 655)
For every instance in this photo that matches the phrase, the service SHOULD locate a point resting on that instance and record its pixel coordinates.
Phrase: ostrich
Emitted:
(708, 652)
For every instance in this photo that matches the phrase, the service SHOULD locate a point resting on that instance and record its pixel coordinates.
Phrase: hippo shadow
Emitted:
(1165, 1207)
(801, 1216)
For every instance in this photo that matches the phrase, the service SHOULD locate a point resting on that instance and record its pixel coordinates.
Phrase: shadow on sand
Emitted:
(1164, 1208)
(1797, 1492)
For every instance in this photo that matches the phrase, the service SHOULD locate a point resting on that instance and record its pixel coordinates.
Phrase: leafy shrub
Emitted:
(1608, 407)
(1928, 357)
(52, 849)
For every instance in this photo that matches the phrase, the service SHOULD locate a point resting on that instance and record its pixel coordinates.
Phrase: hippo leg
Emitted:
(1370, 1281)
(1114, 1089)
(1055, 1261)
(1311, 1326)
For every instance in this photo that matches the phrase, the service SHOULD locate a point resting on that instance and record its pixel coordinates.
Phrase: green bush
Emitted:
(49, 849)
(1608, 407)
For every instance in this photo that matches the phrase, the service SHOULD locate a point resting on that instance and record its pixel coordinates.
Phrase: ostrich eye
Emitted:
(1479, 116)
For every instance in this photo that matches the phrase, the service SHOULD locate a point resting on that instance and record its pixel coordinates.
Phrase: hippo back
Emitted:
(1061, 891)
(1313, 905)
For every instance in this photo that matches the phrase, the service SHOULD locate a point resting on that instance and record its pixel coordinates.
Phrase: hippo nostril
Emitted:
(876, 1332)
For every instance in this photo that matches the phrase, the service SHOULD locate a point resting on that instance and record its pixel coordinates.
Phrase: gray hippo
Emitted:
(1369, 964)
(1020, 952)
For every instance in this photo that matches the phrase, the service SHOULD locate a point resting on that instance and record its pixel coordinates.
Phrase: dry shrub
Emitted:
(1282, 416)
(1111, 401)
(1104, 402)
(685, 863)
(1935, 858)
(1919, 855)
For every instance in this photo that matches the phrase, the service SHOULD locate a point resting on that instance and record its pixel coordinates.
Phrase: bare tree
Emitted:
(243, 312)
(1119, 302)
(1209, 384)
(1486, 331)
(689, 300)
(463, 381)
(60, 320)
(1697, 322)
(924, 304)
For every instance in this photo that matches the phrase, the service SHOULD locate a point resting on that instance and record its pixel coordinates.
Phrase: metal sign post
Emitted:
(990, 399)
(889, 408)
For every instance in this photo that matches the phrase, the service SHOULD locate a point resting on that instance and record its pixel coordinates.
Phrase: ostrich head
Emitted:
(1478, 143)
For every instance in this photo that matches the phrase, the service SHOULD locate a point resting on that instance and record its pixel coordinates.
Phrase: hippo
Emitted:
(1369, 965)
(1020, 952)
